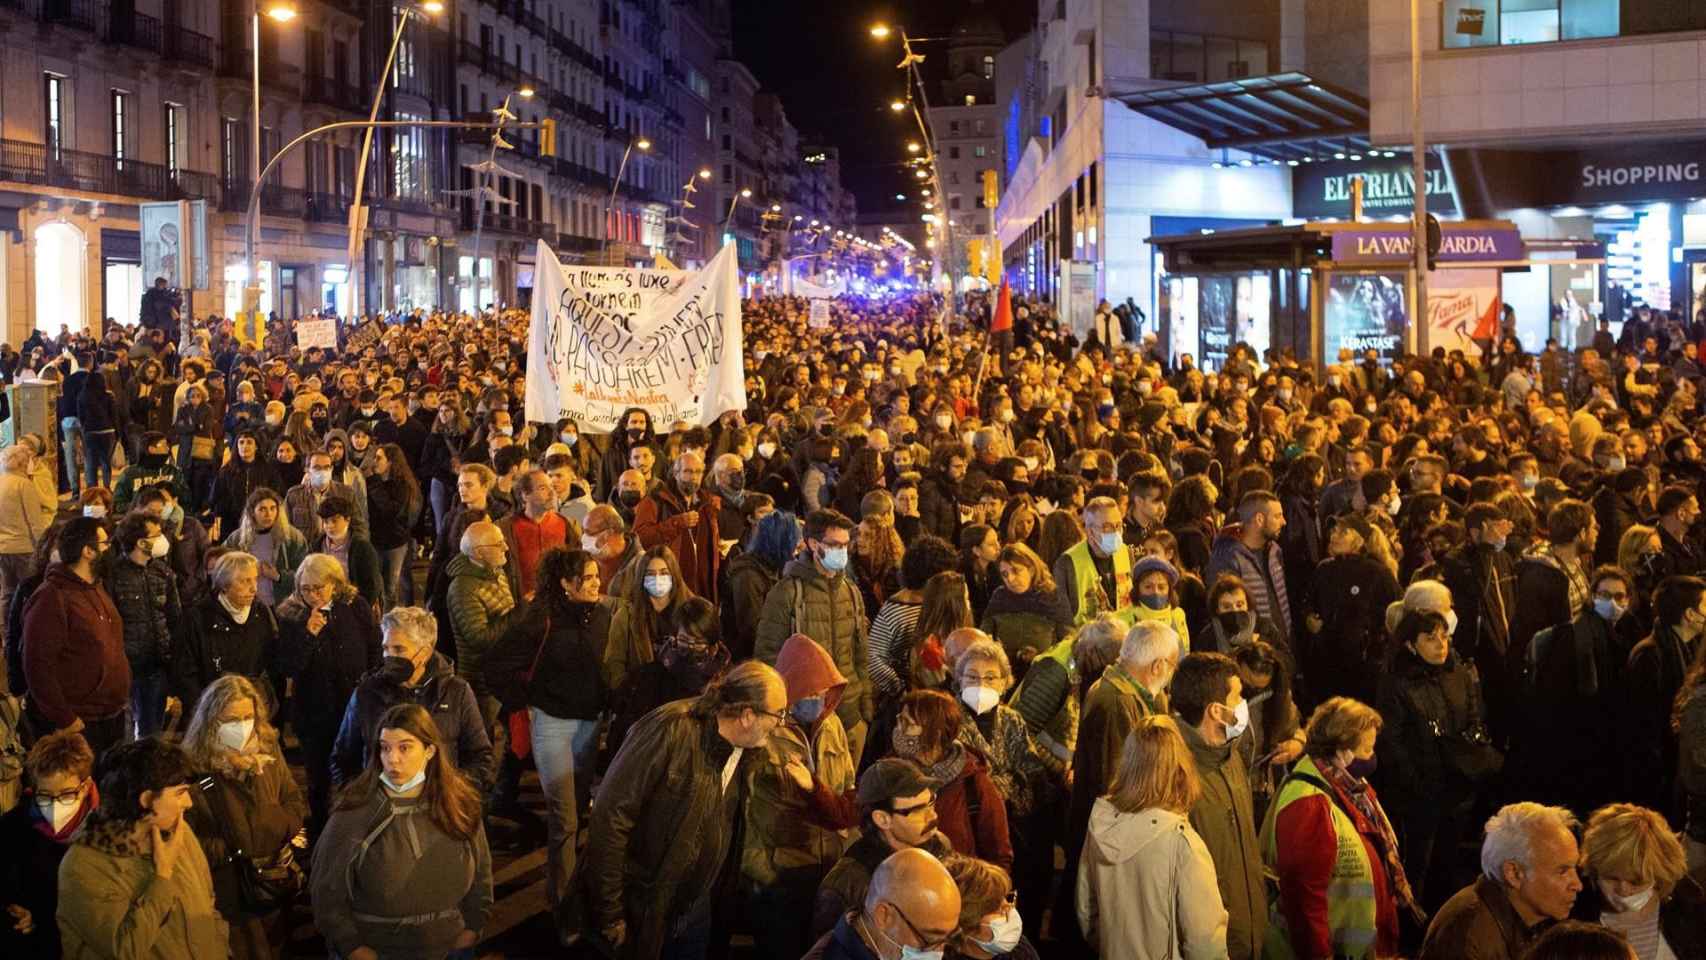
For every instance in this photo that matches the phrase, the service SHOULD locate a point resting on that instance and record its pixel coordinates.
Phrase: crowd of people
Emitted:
(1370, 659)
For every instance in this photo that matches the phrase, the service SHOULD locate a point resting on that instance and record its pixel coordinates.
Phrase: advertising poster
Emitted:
(1364, 311)
(1183, 335)
(1216, 321)
(602, 340)
(1463, 306)
(164, 249)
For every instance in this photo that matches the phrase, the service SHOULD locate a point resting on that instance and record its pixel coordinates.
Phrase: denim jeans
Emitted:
(70, 432)
(440, 494)
(395, 560)
(564, 751)
(98, 457)
(148, 703)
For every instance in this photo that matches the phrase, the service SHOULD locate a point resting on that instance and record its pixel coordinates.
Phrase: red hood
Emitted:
(808, 670)
(1232, 531)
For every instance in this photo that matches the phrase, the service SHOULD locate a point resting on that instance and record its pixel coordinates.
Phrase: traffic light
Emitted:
(547, 137)
(991, 190)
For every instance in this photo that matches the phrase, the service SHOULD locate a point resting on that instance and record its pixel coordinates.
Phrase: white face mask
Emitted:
(1004, 933)
(1240, 721)
(1630, 904)
(95, 510)
(767, 450)
(589, 543)
(319, 478)
(59, 812)
(158, 547)
(981, 700)
(235, 734)
(405, 786)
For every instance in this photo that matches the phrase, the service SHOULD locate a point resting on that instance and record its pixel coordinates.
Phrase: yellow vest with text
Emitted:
(1352, 914)
(1091, 600)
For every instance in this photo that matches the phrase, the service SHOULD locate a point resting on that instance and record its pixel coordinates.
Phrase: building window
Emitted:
(980, 151)
(121, 127)
(988, 68)
(953, 201)
(953, 128)
(54, 113)
(728, 173)
(727, 142)
(979, 126)
(953, 153)
(176, 137)
(230, 148)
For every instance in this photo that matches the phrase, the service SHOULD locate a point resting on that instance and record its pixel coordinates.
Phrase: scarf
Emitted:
(1361, 795)
(951, 766)
(241, 616)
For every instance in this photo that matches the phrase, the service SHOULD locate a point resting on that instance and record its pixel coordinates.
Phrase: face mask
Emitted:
(1031, 464)
(589, 543)
(1498, 544)
(834, 559)
(369, 411)
(1363, 768)
(505, 431)
(635, 436)
(1004, 934)
(808, 711)
(235, 735)
(1232, 621)
(1284, 396)
(94, 510)
(629, 498)
(396, 670)
(1630, 904)
(571, 438)
(158, 547)
(1240, 720)
(154, 459)
(660, 586)
(1394, 505)
(319, 478)
(767, 450)
(907, 744)
(981, 700)
(1109, 543)
(1608, 609)
(943, 423)
(1451, 621)
(59, 812)
(1155, 601)
(407, 785)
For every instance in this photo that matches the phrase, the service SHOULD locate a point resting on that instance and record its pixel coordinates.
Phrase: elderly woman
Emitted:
(403, 869)
(1146, 883)
(971, 810)
(1636, 883)
(990, 925)
(1326, 834)
(229, 631)
(329, 641)
(248, 806)
(26, 511)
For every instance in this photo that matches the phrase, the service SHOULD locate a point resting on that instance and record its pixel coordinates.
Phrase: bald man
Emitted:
(912, 906)
(682, 516)
(480, 600)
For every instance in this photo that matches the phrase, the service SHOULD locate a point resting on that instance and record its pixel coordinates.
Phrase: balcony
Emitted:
(236, 62)
(33, 163)
(574, 51)
(187, 46)
(276, 200)
(571, 243)
(489, 62)
(90, 15)
(327, 208)
(586, 176)
(332, 93)
(509, 223)
(137, 30)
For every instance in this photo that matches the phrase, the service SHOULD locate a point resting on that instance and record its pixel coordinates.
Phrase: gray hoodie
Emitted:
(1146, 887)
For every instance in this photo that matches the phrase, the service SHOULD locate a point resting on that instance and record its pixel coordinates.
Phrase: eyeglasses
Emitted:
(68, 795)
(1617, 596)
(779, 716)
(909, 811)
(924, 943)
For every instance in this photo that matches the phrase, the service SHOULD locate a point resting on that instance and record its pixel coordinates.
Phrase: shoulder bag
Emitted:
(521, 720)
(265, 884)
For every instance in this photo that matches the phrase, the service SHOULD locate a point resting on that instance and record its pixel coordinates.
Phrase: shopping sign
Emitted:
(603, 340)
(1393, 243)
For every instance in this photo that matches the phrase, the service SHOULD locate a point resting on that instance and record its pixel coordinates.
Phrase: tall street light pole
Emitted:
(616, 184)
(357, 218)
(909, 62)
(490, 169)
(1419, 157)
(281, 13)
(729, 221)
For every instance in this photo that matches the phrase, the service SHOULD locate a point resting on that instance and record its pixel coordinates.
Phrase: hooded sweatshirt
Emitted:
(780, 838)
(1146, 887)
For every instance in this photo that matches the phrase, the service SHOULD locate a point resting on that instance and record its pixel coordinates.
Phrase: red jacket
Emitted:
(74, 650)
(1307, 851)
(528, 541)
(660, 520)
(985, 838)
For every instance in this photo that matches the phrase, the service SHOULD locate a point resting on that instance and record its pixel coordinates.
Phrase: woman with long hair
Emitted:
(979, 547)
(1639, 553)
(393, 506)
(970, 810)
(651, 593)
(946, 607)
(772, 542)
(877, 550)
(287, 460)
(894, 630)
(1191, 518)
(442, 454)
(329, 639)
(248, 805)
(402, 868)
(687, 658)
(863, 474)
(1061, 531)
(1023, 614)
(98, 411)
(1146, 883)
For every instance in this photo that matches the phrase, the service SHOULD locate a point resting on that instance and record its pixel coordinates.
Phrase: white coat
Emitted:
(1146, 888)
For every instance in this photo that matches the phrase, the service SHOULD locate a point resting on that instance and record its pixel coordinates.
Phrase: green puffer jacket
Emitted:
(1225, 817)
(1027, 625)
(113, 904)
(831, 612)
(480, 605)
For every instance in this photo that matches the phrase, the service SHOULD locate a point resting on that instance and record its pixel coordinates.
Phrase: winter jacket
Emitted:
(29, 876)
(1082, 589)
(1542, 600)
(74, 655)
(214, 643)
(1016, 764)
(325, 668)
(25, 513)
(1029, 621)
(480, 607)
(141, 475)
(444, 695)
(1265, 586)
(190, 422)
(781, 843)
(386, 876)
(1654, 675)
(1112, 707)
(846, 884)
(528, 540)
(391, 514)
(1047, 699)
(1224, 820)
(253, 812)
(1691, 750)
(1146, 888)
(362, 566)
(567, 683)
(1350, 594)
(663, 826)
(147, 601)
(660, 520)
(235, 481)
(830, 611)
(113, 906)
(287, 554)
(746, 582)
(938, 507)
(1478, 922)
(302, 507)
(1421, 707)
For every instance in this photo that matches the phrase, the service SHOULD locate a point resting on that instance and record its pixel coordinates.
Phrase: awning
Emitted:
(1285, 116)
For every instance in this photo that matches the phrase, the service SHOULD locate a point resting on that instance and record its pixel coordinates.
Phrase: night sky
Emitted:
(836, 80)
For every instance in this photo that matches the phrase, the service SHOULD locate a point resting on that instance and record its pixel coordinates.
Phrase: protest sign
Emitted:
(819, 291)
(603, 340)
(367, 335)
(819, 316)
(317, 332)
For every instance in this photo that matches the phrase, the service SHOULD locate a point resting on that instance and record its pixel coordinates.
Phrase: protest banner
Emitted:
(819, 291)
(317, 332)
(819, 316)
(603, 340)
(367, 335)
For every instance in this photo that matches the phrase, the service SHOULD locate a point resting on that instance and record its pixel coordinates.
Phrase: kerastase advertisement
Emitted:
(1364, 311)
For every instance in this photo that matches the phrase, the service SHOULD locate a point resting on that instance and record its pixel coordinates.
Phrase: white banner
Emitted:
(819, 316)
(817, 291)
(606, 339)
(317, 332)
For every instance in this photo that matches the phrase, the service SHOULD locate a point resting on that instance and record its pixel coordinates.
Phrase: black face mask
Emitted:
(630, 498)
(153, 459)
(396, 670)
(635, 436)
(1232, 621)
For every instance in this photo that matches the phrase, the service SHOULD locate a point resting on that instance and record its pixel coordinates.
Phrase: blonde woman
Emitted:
(25, 514)
(1635, 882)
(247, 804)
(1146, 883)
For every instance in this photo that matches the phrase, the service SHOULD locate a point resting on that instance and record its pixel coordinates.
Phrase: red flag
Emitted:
(1003, 310)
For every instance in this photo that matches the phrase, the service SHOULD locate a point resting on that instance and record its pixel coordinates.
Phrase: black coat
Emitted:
(1420, 705)
(1542, 600)
(233, 484)
(566, 683)
(1570, 742)
(151, 610)
(326, 667)
(1350, 595)
(391, 512)
(29, 877)
(1651, 681)
(446, 696)
(214, 644)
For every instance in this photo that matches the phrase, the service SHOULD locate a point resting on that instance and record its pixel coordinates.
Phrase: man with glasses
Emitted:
(897, 806)
(911, 909)
(664, 823)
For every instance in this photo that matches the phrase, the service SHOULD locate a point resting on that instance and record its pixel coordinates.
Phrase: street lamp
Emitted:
(609, 211)
(912, 147)
(920, 106)
(704, 173)
(490, 168)
(357, 221)
(880, 31)
(898, 106)
(744, 194)
(278, 13)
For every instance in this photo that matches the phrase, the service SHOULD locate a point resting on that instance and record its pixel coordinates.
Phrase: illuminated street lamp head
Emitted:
(815, 223)
(746, 193)
(643, 143)
(913, 147)
(526, 93)
(921, 174)
(433, 7)
(881, 31)
(704, 173)
(897, 105)
(775, 208)
(281, 12)
(900, 196)
(798, 218)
